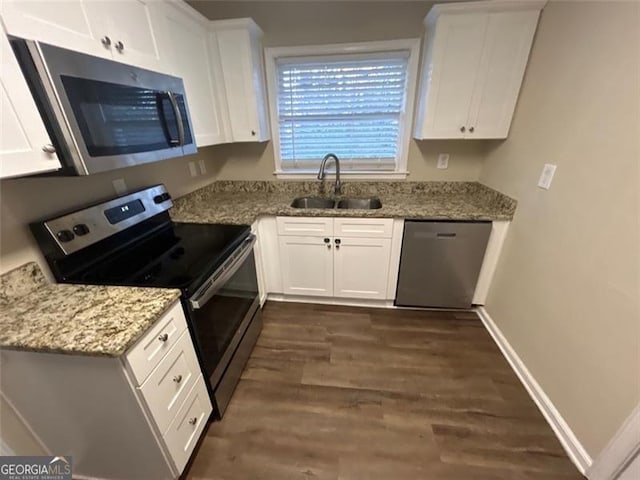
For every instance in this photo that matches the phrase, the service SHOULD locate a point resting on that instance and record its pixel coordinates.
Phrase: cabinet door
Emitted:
(130, 24)
(185, 41)
(504, 60)
(307, 266)
(361, 267)
(23, 134)
(65, 23)
(455, 61)
(243, 72)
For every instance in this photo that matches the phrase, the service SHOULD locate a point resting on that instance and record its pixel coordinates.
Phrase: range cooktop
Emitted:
(178, 256)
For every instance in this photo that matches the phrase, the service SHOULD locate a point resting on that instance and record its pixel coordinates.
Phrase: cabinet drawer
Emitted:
(185, 429)
(153, 346)
(305, 226)
(363, 227)
(168, 385)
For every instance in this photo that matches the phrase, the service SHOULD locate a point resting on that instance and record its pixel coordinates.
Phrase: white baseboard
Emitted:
(349, 302)
(567, 438)
(619, 451)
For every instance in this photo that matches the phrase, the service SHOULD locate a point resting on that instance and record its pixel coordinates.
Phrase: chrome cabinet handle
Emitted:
(463, 129)
(164, 337)
(471, 129)
(106, 41)
(48, 148)
(193, 421)
(119, 46)
(177, 378)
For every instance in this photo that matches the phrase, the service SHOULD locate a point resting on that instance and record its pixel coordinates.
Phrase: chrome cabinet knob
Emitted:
(48, 148)
(193, 420)
(119, 46)
(471, 129)
(463, 129)
(177, 378)
(164, 337)
(326, 240)
(106, 41)
(253, 133)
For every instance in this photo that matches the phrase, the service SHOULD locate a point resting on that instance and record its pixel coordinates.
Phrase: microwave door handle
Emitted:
(163, 117)
(176, 112)
(201, 297)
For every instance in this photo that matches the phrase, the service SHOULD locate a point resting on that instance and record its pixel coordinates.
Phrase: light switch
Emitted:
(203, 167)
(443, 160)
(192, 169)
(120, 186)
(547, 176)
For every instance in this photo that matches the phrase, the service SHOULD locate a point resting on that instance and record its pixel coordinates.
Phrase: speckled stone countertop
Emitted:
(75, 319)
(242, 202)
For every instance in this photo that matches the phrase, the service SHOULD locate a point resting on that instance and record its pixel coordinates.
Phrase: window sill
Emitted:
(362, 175)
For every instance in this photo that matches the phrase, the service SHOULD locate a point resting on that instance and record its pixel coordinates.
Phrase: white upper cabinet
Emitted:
(65, 24)
(184, 37)
(123, 31)
(474, 59)
(239, 47)
(131, 27)
(25, 146)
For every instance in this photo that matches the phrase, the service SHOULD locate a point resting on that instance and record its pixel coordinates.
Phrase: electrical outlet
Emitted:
(203, 167)
(546, 176)
(120, 186)
(443, 160)
(192, 169)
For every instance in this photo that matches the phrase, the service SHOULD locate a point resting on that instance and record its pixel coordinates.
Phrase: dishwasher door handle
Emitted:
(446, 235)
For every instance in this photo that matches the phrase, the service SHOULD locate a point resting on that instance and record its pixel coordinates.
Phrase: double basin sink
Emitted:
(371, 203)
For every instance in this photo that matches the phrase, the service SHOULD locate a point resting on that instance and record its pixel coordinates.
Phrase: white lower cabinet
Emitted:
(307, 265)
(346, 258)
(135, 416)
(185, 429)
(361, 268)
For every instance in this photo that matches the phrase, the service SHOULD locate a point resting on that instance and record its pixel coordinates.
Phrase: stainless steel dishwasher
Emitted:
(440, 263)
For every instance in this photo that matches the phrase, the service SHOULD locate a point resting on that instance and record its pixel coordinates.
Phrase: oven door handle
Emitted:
(222, 275)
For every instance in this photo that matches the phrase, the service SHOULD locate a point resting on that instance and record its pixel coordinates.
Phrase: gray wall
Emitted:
(566, 292)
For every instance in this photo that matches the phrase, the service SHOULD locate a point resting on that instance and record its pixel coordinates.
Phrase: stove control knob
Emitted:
(163, 197)
(80, 229)
(65, 235)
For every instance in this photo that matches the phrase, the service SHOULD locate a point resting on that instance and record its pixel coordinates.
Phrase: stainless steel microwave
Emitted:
(102, 115)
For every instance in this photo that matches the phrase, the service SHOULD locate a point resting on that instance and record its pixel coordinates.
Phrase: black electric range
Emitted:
(132, 241)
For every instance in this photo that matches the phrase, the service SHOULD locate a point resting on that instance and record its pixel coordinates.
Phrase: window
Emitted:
(352, 100)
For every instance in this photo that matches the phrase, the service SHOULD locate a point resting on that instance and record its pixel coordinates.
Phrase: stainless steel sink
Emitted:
(312, 202)
(372, 203)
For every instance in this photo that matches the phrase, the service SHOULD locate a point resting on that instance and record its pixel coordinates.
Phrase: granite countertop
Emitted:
(240, 202)
(75, 319)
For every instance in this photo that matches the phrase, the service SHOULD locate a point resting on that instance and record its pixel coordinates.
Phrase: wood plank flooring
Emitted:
(342, 393)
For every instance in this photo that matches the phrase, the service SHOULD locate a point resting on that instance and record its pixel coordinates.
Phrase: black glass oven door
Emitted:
(218, 324)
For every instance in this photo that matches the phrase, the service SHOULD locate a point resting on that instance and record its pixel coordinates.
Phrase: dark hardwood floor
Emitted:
(350, 393)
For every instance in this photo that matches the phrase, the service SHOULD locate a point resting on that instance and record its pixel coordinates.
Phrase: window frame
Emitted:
(412, 45)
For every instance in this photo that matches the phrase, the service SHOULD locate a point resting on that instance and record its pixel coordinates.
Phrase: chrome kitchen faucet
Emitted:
(337, 187)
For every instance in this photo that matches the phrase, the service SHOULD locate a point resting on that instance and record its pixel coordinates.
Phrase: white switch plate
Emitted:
(443, 160)
(120, 186)
(192, 169)
(203, 167)
(546, 176)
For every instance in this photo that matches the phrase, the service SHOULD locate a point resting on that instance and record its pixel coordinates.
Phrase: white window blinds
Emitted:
(350, 105)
